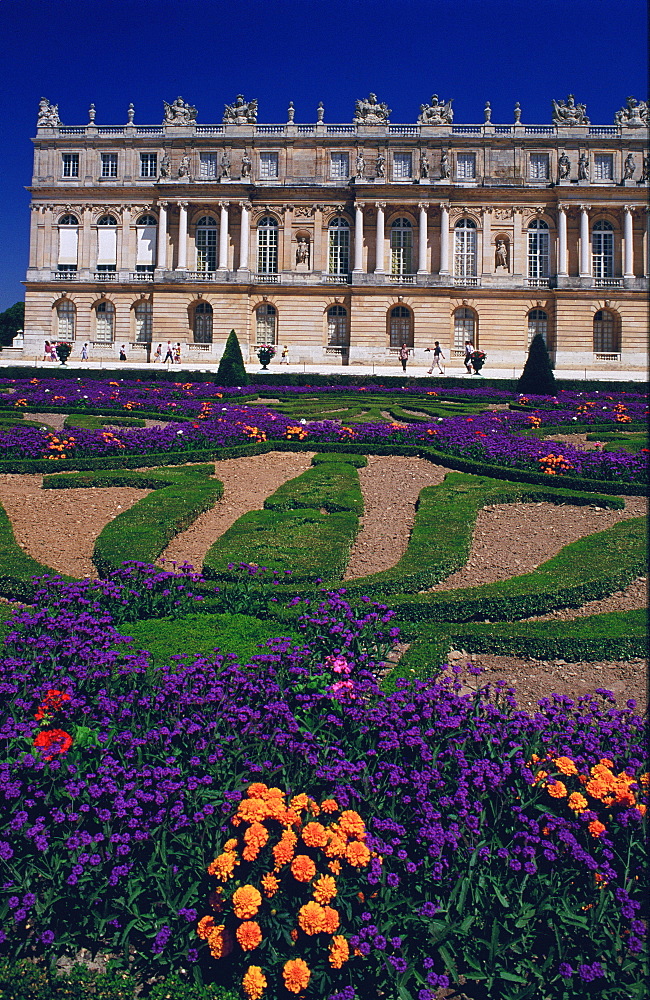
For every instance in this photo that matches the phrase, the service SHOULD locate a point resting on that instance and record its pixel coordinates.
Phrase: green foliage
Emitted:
(231, 370)
(117, 477)
(327, 486)
(323, 458)
(90, 422)
(11, 321)
(537, 376)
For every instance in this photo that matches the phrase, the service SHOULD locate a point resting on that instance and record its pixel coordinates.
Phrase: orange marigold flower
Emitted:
(313, 806)
(270, 884)
(606, 762)
(596, 828)
(315, 835)
(577, 802)
(311, 918)
(358, 854)
(565, 765)
(256, 834)
(339, 951)
(219, 941)
(329, 805)
(250, 852)
(324, 889)
(642, 808)
(352, 824)
(558, 790)
(336, 847)
(249, 935)
(293, 934)
(246, 901)
(540, 776)
(251, 811)
(254, 982)
(332, 920)
(284, 849)
(299, 802)
(645, 779)
(204, 927)
(223, 865)
(335, 866)
(231, 844)
(296, 975)
(257, 790)
(303, 868)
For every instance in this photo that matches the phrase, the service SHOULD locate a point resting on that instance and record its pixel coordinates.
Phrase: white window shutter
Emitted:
(68, 241)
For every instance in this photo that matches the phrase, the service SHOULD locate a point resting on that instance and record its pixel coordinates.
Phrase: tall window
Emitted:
(465, 248)
(606, 339)
(401, 247)
(339, 166)
(146, 229)
(537, 323)
(538, 249)
(109, 164)
(466, 166)
(143, 315)
(339, 246)
(400, 327)
(104, 322)
(268, 165)
(266, 328)
(464, 327)
(267, 245)
(66, 314)
(203, 323)
(539, 169)
(206, 244)
(402, 166)
(148, 164)
(70, 164)
(107, 243)
(602, 245)
(68, 243)
(208, 168)
(338, 334)
(603, 167)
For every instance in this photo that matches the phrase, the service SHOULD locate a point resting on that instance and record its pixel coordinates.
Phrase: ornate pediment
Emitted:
(436, 113)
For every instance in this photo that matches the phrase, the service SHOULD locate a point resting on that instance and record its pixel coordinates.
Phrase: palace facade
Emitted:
(342, 241)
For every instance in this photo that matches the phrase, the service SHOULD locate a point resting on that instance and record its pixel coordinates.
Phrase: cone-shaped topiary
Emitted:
(231, 369)
(537, 376)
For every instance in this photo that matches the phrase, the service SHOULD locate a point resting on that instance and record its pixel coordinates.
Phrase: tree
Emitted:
(231, 369)
(537, 376)
(11, 321)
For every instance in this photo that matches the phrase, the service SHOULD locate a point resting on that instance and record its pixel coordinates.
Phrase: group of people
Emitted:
(172, 354)
(439, 357)
(50, 352)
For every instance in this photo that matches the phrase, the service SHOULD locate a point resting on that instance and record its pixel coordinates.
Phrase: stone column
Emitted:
(161, 258)
(126, 261)
(422, 238)
(518, 261)
(317, 262)
(562, 242)
(358, 237)
(223, 236)
(380, 258)
(628, 249)
(444, 239)
(287, 260)
(87, 245)
(244, 235)
(40, 238)
(182, 236)
(585, 255)
(33, 235)
(487, 256)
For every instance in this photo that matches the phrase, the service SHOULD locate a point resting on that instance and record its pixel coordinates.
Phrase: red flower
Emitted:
(52, 703)
(53, 741)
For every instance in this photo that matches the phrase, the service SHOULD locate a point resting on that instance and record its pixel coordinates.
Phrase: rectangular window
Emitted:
(148, 164)
(109, 164)
(603, 167)
(340, 166)
(67, 268)
(208, 166)
(70, 164)
(145, 268)
(106, 268)
(268, 165)
(466, 166)
(402, 166)
(539, 170)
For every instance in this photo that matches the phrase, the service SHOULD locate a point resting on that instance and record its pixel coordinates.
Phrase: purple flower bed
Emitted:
(482, 868)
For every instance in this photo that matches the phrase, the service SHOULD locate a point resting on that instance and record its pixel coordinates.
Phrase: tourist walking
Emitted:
(169, 356)
(403, 355)
(284, 358)
(177, 354)
(84, 352)
(437, 355)
(46, 351)
(469, 347)
(158, 355)
(123, 353)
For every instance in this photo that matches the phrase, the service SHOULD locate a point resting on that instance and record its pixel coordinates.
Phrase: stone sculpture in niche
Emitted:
(634, 114)
(165, 165)
(225, 164)
(424, 165)
(48, 114)
(501, 254)
(302, 252)
(241, 112)
(569, 113)
(644, 172)
(179, 113)
(360, 168)
(370, 112)
(564, 166)
(629, 167)
(246, 164)
(380, 166)
(583, 167)
(436, 113)
(184, 166)
(444, 165)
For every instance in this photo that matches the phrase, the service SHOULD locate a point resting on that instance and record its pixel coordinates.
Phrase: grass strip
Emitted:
(327, 486)
(90, 422)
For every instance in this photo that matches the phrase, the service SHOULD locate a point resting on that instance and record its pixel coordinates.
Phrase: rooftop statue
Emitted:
(436, 113)
(634, 114)
(370, 112)
(241, 112)
(569, 113)
(179, 113)
(48, 114)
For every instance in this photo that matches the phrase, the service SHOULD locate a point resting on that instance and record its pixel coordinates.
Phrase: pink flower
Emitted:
(340, 687)
(338, 664)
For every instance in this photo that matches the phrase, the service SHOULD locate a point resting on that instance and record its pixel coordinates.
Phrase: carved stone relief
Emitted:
(179, 113)
(436, 113)
(369, 111)
(48, 114)
(240, 112)
(569, 113)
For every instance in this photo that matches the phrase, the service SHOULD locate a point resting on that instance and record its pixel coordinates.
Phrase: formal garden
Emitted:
(220, 782)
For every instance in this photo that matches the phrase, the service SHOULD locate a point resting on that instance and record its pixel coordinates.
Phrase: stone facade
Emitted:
(342, 241)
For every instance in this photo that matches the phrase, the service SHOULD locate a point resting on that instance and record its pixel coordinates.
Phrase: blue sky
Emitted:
(145, 51)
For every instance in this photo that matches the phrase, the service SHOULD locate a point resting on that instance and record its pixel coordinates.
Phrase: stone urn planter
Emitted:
(265, 352)
(477, 360)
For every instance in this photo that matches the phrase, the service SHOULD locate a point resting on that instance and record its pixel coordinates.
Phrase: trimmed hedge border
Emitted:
(17, 569)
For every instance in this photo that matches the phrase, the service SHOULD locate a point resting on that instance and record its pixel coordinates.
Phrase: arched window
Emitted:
(66, 315)
(206, 244)
(266, 327)
(537, 323)
(338, 260)
(602, 246)
(401, 247)
(338, 333)
(146, 230)
(538, 249)
(267, 245)
(465, 248)
(143, 312)
(203, 323)
(104, 322)
(68, 220)
(147, 220)
(464, 328)
(68, 242)
(107, 220)
(107, 243)
(400, 326)
(606, 339)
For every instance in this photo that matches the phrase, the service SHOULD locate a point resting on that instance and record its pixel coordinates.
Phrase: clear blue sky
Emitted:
(112, 52)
